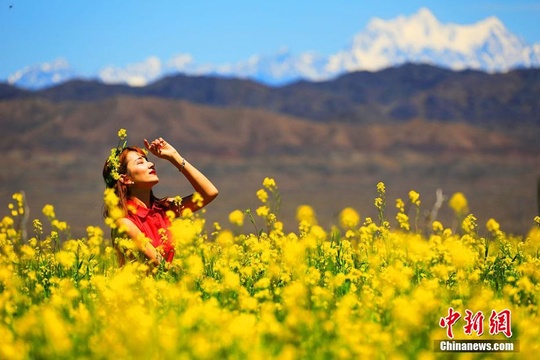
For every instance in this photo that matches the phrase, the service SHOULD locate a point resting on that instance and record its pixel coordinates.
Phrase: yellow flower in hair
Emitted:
(122, 134)
(113, 161)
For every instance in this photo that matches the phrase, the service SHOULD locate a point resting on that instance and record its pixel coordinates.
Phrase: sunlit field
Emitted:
(365, 288)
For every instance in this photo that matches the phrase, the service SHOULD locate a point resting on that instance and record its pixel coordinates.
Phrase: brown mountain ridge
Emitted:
(53, 148)
(395, 94)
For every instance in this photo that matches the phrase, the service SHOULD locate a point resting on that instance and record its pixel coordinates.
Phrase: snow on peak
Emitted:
(137, 74)
(42, 75)
(421, 37)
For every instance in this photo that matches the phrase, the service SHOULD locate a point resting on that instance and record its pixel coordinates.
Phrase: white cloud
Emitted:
(137, 74)
(180, 62)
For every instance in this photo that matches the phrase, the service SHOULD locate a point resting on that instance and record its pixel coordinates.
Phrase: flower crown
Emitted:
(113, 161)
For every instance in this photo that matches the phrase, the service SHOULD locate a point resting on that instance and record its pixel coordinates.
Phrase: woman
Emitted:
(145, 220)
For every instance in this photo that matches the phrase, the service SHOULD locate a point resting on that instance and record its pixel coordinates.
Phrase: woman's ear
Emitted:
(125, 180)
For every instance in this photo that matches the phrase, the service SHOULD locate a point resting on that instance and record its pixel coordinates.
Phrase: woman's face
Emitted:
(140, 171)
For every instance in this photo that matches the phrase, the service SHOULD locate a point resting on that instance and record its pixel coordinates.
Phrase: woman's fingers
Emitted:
(156, 146)
(147, 144)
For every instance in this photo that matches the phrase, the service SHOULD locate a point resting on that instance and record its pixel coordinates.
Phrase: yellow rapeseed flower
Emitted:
(269, 183)
(38, 227)
(469, 224)
(307, 214)
(349, 218)
(437, 227)
(318, 232)
(110, 198)
(262, 211)
(458, 203)
(116, 213)
(197, 199)
(403, 221)
(225, 238)
(462, 256)
(18, 197)
(414, 197)
(7, 222)
(57, 332)
(262, 195)
(400, 205)
(194, 265)
(28, 252)
(59, 225)
(237, 217)
(262, 283)
(381, 189)
(66, 259)
(492, 225)
(231, 280)
(48, 211)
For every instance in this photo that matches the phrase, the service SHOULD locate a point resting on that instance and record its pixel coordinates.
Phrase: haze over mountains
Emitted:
(420, 38)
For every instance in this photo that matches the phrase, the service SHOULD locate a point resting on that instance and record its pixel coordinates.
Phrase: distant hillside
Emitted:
(77, 127)
(8, 92)
(393, 95)
(54, 142)
(54, 151)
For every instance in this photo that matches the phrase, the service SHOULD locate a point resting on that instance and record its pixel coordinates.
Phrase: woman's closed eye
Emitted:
(141, 160)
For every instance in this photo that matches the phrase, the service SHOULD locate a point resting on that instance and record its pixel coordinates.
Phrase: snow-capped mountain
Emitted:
(43, 75)
(278, 68)
(420, 38)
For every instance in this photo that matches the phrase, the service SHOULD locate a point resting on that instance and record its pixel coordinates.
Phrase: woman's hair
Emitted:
(120, 189)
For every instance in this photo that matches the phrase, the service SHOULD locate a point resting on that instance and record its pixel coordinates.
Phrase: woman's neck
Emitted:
(141, 196)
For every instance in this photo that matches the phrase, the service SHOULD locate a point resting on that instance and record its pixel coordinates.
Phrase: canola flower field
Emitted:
(362, 289)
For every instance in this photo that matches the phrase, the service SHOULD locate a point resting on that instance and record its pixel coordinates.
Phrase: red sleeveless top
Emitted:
(155, 224)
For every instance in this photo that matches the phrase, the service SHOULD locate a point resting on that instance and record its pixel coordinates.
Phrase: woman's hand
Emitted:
(160, 148)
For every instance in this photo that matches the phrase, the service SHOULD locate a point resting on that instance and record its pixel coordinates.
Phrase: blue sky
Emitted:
(92, 34)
